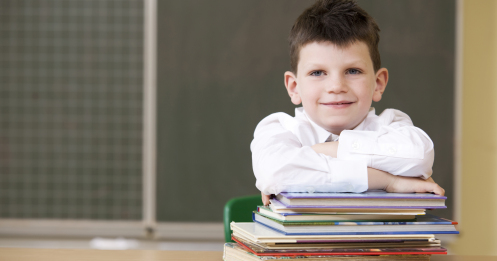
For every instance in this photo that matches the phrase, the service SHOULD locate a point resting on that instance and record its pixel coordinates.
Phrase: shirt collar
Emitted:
(362, 125)
(321, 133)
(324, 135)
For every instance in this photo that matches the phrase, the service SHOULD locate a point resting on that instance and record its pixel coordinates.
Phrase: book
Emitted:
(310, 217)
(277, 207)
(368, 199)
(234, 252)
(429, 225)
(259, 233)
(341, 251)
(420, 220)
(379, 243)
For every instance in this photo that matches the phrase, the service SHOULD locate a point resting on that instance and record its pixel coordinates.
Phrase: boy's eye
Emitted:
(317, 73)
(353, 71)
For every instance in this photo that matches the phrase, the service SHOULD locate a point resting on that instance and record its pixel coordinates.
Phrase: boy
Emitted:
(336, 142)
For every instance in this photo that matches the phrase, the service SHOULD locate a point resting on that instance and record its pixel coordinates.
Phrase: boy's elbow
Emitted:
(265, 174)
(426, 165)
(413, 166)
(267, 184)
(263, 187)
(422, 168)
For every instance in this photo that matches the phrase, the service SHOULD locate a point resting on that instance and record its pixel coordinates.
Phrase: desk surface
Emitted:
(25, 254)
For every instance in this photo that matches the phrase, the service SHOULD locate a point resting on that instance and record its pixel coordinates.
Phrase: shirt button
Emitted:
(310, 189)
(356, 145)
(392, 150)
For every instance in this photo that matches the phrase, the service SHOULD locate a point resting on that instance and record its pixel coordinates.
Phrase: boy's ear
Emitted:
(291, 87)
(381, 84)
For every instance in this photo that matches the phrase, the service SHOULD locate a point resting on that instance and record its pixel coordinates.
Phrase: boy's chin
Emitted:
(337, 128)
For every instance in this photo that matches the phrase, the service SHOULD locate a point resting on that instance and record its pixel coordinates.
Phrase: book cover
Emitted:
(345, 251)
(369, 198)
(387, 243)
(234, 252)
(420, 220)
(312, 217)
(354, 229)
(363, 206)
(277, 207)
(262, 234)
(373, 194)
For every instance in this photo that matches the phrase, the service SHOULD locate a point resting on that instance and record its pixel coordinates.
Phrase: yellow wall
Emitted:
(478, 220)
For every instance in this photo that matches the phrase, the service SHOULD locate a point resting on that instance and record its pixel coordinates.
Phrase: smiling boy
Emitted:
(336, 142)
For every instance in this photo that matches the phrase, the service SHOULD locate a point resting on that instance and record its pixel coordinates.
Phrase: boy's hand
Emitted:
(265, 199)
(327, 148)
(405, 184)
(378, 179)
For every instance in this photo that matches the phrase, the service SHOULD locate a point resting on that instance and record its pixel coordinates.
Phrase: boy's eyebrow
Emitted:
(349, 63)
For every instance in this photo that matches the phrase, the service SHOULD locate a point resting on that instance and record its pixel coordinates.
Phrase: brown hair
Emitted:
(341, 22)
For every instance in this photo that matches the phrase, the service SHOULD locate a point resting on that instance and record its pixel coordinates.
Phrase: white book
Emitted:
(277, 207)
(259, 233)
(311, 217)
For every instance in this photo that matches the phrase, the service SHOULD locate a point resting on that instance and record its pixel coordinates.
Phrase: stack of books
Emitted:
(373, 225)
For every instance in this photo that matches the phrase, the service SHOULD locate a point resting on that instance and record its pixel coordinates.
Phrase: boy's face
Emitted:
(336, 86)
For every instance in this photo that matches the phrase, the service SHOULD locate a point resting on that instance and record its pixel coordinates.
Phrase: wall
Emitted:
(479, 142)
(220, 71)
(71, 109)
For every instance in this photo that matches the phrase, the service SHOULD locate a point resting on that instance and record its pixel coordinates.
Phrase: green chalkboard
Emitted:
(220, 71)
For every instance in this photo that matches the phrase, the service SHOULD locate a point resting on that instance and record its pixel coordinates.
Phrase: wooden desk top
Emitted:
(462, 258)
(30, 254)
(37, 254)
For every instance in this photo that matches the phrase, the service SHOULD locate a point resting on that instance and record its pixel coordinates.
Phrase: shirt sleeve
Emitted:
(281, 163)
(394, 146)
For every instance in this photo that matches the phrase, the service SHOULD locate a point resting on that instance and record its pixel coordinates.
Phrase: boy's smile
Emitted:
(336, 86)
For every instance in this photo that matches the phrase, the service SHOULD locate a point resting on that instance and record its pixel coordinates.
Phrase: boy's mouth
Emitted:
(338, 105)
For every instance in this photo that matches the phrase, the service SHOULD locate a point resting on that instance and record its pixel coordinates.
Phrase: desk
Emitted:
(37, 254)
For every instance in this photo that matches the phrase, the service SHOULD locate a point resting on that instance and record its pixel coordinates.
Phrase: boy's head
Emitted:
(335, 63)
(340, 22)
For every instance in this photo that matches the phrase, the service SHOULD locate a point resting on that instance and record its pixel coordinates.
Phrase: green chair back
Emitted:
(239, 210)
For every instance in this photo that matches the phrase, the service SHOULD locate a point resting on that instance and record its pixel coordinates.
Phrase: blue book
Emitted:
(428, 224)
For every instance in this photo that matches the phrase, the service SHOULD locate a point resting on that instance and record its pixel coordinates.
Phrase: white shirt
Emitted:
(283, 159)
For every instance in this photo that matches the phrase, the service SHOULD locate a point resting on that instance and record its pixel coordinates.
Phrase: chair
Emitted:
(239, 210)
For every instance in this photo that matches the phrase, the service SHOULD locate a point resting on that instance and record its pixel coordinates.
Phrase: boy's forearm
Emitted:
(327, 148)
(402, 150)
(410, 167)
(378, 179)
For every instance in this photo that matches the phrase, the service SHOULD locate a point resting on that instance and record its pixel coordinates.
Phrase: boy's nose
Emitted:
(336, 85)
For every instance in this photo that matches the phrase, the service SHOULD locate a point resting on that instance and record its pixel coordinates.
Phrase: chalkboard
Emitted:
(220, 71)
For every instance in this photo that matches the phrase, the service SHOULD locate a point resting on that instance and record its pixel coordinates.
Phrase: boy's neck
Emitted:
(321, 131)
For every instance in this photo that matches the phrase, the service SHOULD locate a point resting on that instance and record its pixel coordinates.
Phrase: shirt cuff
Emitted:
(356, 146)
(348, 175)
(367, 143)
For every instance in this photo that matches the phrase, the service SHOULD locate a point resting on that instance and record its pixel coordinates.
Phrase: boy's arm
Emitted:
(394, 146)
(378, 179)
(281, 163)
